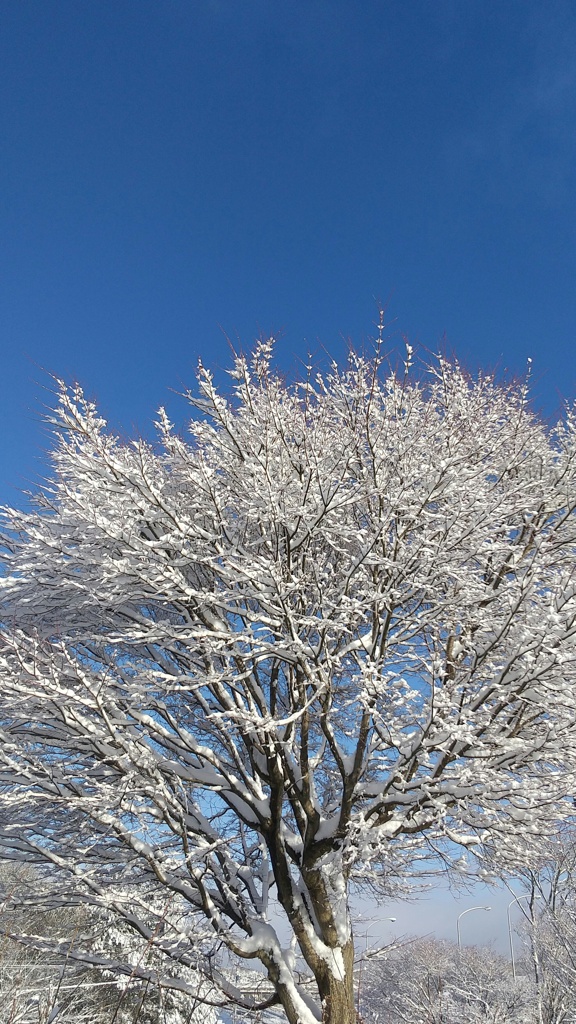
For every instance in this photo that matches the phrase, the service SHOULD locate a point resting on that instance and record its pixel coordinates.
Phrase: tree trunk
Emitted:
(337, 993)
(335, 988)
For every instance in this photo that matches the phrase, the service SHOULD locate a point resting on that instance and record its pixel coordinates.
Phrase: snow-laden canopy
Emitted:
(329, 635)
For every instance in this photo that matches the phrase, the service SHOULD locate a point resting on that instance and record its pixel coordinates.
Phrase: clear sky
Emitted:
(174, 173)
(178, 171)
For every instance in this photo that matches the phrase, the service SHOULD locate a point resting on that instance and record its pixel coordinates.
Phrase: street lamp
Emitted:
(523, 896)
(378, 921)
(361, 964)
(469, 911)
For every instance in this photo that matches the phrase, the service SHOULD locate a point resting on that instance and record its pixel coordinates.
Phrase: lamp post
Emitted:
(523, 896)
(469, 911)
(361, 964)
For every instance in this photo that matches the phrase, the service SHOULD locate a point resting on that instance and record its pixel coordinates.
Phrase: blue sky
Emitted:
(176, 172)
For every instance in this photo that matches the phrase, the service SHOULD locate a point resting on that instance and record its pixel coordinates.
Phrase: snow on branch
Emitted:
(331, 635)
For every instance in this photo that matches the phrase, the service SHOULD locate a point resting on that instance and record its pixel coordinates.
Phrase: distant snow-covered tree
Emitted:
(549, 930)
(434, 982)
(42, 980)
(331, 634)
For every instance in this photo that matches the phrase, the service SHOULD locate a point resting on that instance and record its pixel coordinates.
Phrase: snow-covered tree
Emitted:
(42, 981)
(549, 928)
(552, 942)
(38, 987)
(329, 636)
(428, 981)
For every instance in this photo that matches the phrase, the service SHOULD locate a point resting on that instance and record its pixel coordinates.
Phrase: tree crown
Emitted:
(330, 634)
